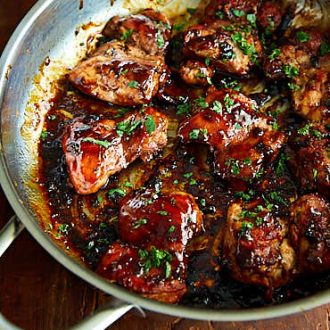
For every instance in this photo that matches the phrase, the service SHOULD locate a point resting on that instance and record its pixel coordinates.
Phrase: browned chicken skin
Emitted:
(311, 92)
(146, 271)
(235, 10)
(255, 246)
(158, 227)
(309, 158)
(149, 30)
(242, 139)
(309, 84)
(310, 232)
(166, 221)
(120, 74)
(95, 150)
(231, 48)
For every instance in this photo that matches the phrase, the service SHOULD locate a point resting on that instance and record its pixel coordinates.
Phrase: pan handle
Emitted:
(106, 315)
(9, 232)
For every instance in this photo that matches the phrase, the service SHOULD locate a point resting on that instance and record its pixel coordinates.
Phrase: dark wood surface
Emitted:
(38, 293)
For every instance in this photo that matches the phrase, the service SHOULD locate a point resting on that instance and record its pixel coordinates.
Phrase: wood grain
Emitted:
(37, 293)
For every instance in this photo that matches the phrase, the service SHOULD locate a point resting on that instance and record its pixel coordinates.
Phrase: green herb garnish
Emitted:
(102, 143)
(150, 124)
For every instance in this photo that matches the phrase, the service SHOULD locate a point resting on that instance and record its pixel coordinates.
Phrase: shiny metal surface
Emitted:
(49, 30)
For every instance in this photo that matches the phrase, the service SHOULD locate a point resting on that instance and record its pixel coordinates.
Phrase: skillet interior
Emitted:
(21, 62)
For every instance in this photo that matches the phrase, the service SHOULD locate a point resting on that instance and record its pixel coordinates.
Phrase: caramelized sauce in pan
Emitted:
(88, 224)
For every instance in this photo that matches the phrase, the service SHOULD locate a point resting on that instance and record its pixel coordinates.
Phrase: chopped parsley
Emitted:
(163, 213)
(251, 18)
(123, 72)
(137, 224)
(274, 54)
(290, 71)
(317, 133)
(133, 84)
(63, 229)
(293, 87)
(193, 134)
(245, 195)
(274, 195)
(324, 48)
(247, 161)
(200, 101)
(44, 135)
(207, 61)
(155, 258)
(305, 129)
(217, 107)
(220, 14)
(127, 126)
(187, 175)
(192, 182)
(200, 74)
(128, 184)
(238, 12)
(315, 173)
(228, 102)
(116, 191)
(171, 230)
(302, 36)
(102, 143)
(243, 44)
(150, 124)
(183, 109)
(121, 112)
(126, 34)
(246, 226)
(281, 164)
(234, 166)
(160, 39)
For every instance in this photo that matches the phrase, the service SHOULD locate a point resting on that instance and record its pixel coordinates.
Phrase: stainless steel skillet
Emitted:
(49, 31)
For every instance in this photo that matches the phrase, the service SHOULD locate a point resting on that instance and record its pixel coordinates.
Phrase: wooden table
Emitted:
(38, 293)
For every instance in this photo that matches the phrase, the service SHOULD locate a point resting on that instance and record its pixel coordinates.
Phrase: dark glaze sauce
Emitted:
(89, 224)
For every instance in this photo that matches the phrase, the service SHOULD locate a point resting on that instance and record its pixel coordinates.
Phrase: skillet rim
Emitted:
(91, 277)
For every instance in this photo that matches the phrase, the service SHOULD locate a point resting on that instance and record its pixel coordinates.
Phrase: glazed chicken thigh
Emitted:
(157, 228)
(167, 221)
(309, 158)
(228, 47)
(94, 150)
(310, 232)
(145, 271)
(148, 30)
(255, 246)
(243, 140)
(120, 74)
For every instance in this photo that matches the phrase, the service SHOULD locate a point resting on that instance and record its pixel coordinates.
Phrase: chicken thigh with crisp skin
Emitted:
(166, 221)
(228, 47)
(242, 139)
(120, 74)
(94, 150)
(155, 274)
(309, 160)
(155, 229)
(148, 30)
(255, 246)
(310, 232)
